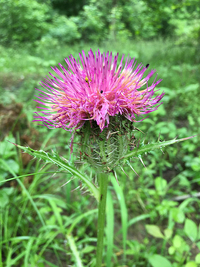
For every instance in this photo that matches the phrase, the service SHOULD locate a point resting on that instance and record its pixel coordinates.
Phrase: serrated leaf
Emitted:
(142, 149)
(54, 158)
(154, 230)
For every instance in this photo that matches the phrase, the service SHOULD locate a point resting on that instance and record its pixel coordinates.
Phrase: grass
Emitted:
(43, 223)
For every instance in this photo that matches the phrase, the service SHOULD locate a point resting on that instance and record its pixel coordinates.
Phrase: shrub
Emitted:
(22, 20)
(64, 29)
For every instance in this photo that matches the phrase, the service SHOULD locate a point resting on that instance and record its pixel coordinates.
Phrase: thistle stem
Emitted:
(103, 182)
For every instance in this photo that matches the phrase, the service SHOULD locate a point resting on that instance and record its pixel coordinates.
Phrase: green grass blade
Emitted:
(50, 238)
(49, 263)
(31, 200)
(68, 192)
(13, 262)
(29, 174)
(124, 213)
(109, 228)
(25, 190)
(79, 218)
(57, 214)
(16, 239)
(138, 218)
(135, 220)
(74, 250)
(28, 251)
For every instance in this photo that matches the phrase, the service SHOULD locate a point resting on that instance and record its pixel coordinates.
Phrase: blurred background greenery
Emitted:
(155, 214)
(34, 22)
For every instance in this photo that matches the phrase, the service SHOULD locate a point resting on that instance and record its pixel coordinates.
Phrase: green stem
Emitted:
(103, 182)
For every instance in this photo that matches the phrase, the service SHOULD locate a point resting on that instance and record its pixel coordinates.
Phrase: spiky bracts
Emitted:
(104, 150)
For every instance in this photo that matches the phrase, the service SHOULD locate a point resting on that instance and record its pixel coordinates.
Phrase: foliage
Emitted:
(22, 21)
(186, 21)
(71, 9)
(92, 20)
(64, 29)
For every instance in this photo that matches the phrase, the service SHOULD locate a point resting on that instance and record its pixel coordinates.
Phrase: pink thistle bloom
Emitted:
(94, 88)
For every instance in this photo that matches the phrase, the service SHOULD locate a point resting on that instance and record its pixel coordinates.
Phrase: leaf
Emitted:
(24, 189)
(154, 230)
(191, 264)
(184, 204)
(88, 249)
(78, 219)
(190, 229)
(171, 250)
(191, 87)
(178, 215)
(13, 164)
(3, 174)
(178, 242)
(138, 218)
(57, 160)
(141, 149)
(168, 233)
(198, 245)
(6, 148)
(158, 261)
(3, 198)
(160, 185)
(74, 250)
(197, 258)
(198, 237)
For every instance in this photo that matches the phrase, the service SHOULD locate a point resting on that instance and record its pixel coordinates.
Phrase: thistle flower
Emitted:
(95, 89)
(92, 94)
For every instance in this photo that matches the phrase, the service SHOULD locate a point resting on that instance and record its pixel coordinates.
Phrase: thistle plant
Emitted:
(98, 101)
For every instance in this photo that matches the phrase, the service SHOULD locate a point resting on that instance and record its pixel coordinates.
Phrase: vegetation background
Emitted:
(153, 218)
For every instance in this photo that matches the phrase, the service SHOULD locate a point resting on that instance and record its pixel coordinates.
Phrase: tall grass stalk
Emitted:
(103, 182)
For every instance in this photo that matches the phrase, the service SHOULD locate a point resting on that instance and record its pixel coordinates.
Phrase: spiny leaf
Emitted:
(142, 148)
(57, 160)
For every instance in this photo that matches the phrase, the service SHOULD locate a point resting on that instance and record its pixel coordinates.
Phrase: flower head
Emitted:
(95, 89)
